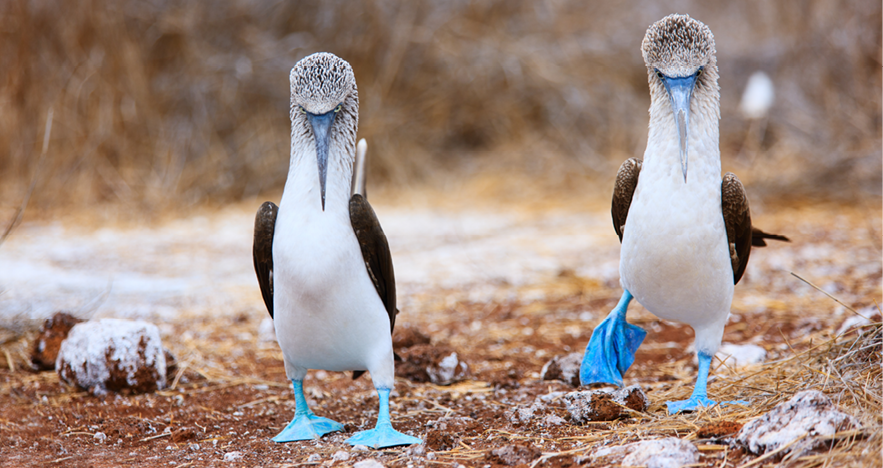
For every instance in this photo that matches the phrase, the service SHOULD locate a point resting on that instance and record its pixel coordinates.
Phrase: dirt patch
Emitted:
(719, 429)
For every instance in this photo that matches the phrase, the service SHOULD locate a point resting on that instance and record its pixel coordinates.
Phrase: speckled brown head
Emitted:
(324, 112)
(678, 46)
(682, 71)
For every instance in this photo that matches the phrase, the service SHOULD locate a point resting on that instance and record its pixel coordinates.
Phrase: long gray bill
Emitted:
(322, 132)
(680, 90)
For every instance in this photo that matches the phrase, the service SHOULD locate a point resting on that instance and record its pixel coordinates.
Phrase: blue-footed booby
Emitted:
(321, 257)
(686, 234)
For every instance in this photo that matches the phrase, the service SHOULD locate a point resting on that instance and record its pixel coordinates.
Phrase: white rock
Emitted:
(758, 96)
(552, 420)
(856, 321)
(113, 354)
(340, 456)
(313, 458)
(232, 456)
(670, 452)
(449, 368)
(100, 436)
(808, 414)
(734, 355)
(369, 463)
(564, 368)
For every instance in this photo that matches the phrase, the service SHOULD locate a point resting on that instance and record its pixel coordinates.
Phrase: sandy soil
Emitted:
(506, 286)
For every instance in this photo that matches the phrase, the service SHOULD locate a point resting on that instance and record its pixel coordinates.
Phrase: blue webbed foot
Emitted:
(383, 435)
(611, 351)
(695, 402)
(305, 425)
(700, 391)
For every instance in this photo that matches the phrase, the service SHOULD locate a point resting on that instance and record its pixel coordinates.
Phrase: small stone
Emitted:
(232, 456)
(369, 463)
(100, 436)
(193, 447)
(669, 452)
(807, 415)
(113, 355)
(360, 448)
(340, 456)
(564, 368)
(313, 458)
(440, 440)
(733, 355)
(605, 404)
(426, 363)
(718, 430)
(552, 420)
(416, 450)
(55, 329)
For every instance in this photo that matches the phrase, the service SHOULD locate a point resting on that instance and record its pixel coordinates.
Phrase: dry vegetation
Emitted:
(161, 103)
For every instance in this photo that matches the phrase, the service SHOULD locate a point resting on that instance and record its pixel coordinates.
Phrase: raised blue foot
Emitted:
(699, 397)
(383, 435)
(611, 351)
(305, 425)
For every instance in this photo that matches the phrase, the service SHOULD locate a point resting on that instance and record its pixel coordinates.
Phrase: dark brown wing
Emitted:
(623, 191)
(737, 219)
(264, 227)
(375, 251)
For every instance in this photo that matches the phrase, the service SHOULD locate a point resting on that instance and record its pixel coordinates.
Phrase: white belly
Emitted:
(328, 314)
(675, 255)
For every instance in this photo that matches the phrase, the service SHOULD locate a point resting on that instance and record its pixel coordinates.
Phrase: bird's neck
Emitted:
(302, 188)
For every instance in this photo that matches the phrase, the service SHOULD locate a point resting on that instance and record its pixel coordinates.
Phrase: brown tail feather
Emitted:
(758, 236)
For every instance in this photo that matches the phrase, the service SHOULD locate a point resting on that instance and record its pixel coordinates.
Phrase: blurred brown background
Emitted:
(171, 103)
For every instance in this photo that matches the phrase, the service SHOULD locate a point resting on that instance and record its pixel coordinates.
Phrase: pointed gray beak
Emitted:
(322, 132)
(680, 90)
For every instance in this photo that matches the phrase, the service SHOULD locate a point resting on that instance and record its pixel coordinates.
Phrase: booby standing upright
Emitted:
(321, 258)
(688, 235)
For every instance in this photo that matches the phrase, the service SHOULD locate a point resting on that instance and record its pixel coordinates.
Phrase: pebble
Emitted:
(669, 452)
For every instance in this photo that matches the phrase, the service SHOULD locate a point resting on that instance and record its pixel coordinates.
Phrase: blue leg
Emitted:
(700, 391)
(305, 425)
(611, 351)
(383, 435)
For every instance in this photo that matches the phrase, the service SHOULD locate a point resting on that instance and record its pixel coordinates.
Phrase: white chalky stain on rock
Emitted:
(670, 452)
(91, 346)
(369, 463)
(808, 414)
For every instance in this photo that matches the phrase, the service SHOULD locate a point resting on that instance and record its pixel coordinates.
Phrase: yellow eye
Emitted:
(302, 110)
(337, 109)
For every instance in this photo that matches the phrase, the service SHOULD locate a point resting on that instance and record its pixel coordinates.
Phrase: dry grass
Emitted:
(160, 104)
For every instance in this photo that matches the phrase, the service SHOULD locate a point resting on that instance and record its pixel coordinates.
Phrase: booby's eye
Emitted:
(302, 110)
(338, 108)
(659, 74)
(699, 72)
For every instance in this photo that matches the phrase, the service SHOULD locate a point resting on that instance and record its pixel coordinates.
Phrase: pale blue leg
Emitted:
(305, 425)
(611, 351)
(383, 435)
(700, 391)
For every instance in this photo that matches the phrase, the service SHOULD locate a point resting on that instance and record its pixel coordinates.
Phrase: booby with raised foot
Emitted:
(321, 257)
(686, 232)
